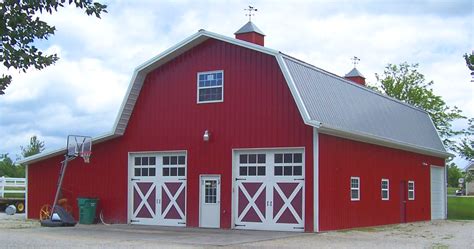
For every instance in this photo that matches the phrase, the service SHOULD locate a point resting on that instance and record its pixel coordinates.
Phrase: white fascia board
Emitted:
(372, 139)
(294, 91)
(49, 154)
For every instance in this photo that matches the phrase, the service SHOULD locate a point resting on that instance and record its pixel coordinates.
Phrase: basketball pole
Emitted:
(61, 177)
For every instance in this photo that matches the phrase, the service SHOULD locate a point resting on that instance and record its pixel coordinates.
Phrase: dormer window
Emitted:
(210, 86)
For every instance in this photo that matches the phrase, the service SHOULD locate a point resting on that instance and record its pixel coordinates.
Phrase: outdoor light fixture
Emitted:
(206, 135)
(424, 164)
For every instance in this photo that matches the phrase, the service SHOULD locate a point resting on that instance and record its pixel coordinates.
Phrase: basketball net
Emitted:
(86, 156)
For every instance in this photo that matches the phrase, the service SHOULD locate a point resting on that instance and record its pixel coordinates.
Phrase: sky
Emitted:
(82, 92)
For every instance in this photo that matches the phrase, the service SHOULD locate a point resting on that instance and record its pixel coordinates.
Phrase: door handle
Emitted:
(158, 201)
(269, 203)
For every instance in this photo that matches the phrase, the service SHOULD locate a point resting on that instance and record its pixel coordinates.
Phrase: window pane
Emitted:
(354, 194)
(166, 160)
(261, 158)
(166, 171)
(181, 171)
(138, 172)
(243, 171)
(138, 161)
(278, 158)
(384, 194)
(261, 171)
(297, 158)
(152, 172)
(288, 158)
(181, 160)
(297, 170)
(278, 170)
(144, 171)
(174, 160)
(173, 171)
(287, 170)
(243, 158)
(252, 171)
(252, 158)
(152, 161)
(144, 160)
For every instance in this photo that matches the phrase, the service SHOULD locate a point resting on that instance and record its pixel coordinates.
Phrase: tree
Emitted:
(36, 146)
(7, 167)
(21, 27)
(469, 58)
(465, 147)
(405, 83)
(454, 173)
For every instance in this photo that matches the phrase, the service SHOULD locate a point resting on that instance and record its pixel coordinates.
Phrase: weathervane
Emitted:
(355, 60)
(250, 14)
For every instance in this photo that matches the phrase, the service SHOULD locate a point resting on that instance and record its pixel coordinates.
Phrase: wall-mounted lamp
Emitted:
(206, 136)
(424, 164)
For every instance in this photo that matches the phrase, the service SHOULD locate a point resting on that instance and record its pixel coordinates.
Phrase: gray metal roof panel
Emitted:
(354, 73)
(343, 105)
(249, 27)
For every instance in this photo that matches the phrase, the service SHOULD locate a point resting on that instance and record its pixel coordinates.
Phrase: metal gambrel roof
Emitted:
(339, 104)
(328, 102)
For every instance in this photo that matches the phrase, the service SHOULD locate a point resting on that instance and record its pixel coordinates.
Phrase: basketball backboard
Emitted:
(79, 146)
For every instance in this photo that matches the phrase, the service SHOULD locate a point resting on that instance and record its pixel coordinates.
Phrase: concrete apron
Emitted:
(184, 235)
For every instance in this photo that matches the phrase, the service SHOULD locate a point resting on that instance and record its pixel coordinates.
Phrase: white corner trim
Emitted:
(26, 192)
(316, 179)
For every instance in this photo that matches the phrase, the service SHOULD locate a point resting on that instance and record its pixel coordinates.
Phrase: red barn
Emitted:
(226, 133)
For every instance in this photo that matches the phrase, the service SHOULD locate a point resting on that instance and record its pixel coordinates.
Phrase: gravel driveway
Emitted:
(15, 232)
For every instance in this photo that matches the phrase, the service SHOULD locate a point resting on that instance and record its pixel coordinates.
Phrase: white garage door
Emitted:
(438, 196)
(158, 189)
(269, 190)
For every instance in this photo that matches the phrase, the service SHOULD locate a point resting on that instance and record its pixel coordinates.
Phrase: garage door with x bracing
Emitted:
(158, 185)
(269, 190)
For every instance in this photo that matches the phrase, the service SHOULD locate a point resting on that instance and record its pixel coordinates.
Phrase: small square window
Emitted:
(181, 171)
(261, 170)
(243, 158)
(144, 171)
(138, 172)
(288, 158)
(173, 171)
(181, 160)
(243, 170)
(152, 161)
(252, 171)
(152, 172)
(210, 87)
(261, 158)
(174, 160)
(166, 160)
(144, 160)
(278, 170)
(288, 170)
(166, 171)
(138, 161)
(278, 158)
(252, 158)
(297, 170)
(297, 158)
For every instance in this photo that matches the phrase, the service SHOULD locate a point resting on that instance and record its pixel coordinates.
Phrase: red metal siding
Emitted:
(258, 112)
(339, 159)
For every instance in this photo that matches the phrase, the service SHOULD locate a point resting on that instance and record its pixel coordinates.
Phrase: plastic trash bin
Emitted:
(87, 210)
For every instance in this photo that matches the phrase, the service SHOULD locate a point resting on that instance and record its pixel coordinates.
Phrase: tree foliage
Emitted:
(21, 27)
(36, 146)
(406, 83)
(454, 173)
(465, 147)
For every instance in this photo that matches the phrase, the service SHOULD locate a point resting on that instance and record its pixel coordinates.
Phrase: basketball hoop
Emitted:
(86, 155)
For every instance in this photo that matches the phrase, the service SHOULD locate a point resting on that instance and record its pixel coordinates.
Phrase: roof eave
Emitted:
(372, 139)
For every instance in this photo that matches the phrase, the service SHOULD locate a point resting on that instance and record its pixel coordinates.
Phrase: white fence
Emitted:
(12, 186)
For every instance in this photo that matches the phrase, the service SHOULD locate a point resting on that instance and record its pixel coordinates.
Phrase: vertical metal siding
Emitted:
(339, 159)
(258, 112)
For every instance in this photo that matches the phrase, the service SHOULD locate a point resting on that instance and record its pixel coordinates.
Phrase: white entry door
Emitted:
(438, 195)
(269, 190)
(158, 189)
(210, 202)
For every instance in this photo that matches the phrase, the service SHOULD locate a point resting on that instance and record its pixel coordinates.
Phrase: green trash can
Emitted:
(87, 209)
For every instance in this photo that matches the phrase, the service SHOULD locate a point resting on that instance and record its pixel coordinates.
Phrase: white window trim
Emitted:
(197, 87)
(387, 189)
(358, 188)
(413, 190)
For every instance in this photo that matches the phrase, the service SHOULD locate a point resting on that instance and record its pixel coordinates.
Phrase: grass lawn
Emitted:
(452, 190)
(461, 208)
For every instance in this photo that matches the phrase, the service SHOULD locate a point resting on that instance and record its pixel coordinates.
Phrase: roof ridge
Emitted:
(306, 64)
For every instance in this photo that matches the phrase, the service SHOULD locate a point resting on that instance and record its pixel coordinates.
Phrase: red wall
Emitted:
(258, 112)
(339, 159)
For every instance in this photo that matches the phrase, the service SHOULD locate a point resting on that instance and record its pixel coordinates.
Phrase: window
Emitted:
(252, 164)
(144, 166)
(288, 164)
(411, 190)
(355, 188)
(210, 191)
(211, 87)
(174, 166)
(385, 189)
